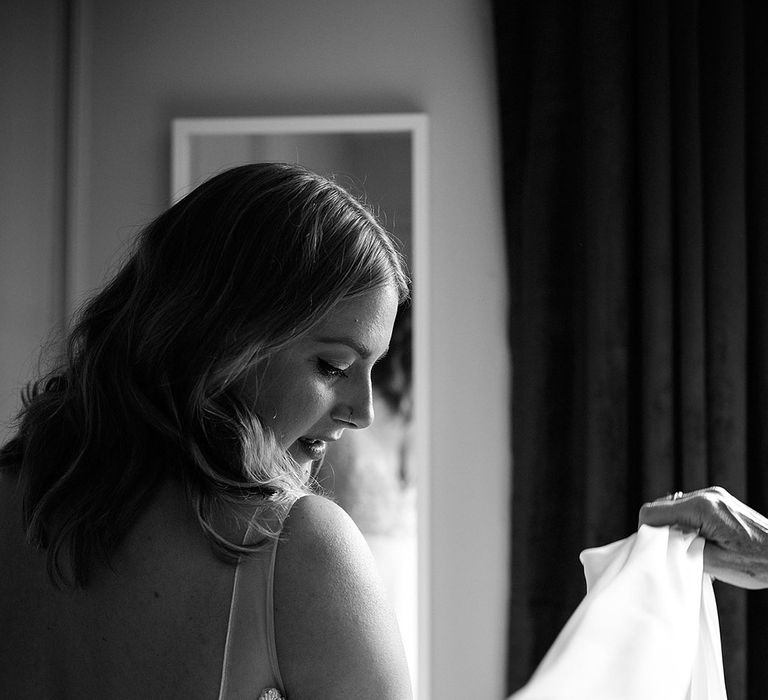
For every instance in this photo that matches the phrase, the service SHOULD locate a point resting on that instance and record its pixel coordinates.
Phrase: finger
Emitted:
(683, 511)
(730, 568)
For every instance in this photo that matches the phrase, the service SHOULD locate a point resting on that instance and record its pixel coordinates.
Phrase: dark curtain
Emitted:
(635, 156)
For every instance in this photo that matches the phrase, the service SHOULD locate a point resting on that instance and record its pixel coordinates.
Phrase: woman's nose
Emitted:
(360, 406)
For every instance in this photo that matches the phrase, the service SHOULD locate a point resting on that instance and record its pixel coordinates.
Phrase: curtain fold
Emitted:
(636, 191)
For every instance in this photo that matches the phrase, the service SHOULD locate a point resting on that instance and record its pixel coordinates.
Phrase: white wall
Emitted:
(149, 61)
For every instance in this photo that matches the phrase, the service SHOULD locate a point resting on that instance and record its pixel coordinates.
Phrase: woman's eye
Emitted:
(330, 370)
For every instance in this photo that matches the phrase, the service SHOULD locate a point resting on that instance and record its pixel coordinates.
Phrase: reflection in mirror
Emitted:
(373, 474)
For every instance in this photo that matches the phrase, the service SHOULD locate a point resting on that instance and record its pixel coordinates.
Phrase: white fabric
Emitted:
(646, 630)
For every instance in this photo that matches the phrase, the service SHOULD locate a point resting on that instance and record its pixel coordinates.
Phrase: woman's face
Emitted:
(320, 385)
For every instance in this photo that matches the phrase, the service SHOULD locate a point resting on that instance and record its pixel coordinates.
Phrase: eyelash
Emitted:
(329, 370)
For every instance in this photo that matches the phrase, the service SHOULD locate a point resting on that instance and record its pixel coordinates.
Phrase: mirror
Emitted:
(379, 475)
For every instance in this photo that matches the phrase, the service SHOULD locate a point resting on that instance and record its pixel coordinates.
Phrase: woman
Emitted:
(156, 516)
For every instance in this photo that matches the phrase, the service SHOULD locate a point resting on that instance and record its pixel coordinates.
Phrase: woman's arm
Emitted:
(335, 632)
(736, 551)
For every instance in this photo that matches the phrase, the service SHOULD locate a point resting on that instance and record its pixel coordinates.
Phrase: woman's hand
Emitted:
(736, 550)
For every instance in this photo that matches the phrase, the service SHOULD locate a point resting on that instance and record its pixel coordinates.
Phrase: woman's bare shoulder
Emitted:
(335, 631)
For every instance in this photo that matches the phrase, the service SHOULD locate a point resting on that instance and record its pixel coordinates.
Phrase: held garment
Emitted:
(647, 628)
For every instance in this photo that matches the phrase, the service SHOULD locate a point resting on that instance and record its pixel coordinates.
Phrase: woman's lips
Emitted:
(313, 449)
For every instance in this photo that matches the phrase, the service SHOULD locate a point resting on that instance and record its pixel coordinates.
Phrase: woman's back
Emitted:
(155, 627)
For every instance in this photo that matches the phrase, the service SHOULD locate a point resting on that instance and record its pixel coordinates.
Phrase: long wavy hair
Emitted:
(151, 384)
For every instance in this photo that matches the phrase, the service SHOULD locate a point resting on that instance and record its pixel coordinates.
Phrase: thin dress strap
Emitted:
(250, 654)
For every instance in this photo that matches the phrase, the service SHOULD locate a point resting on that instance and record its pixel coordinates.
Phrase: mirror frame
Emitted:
(416, 125)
